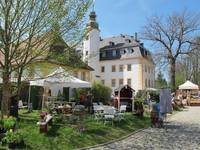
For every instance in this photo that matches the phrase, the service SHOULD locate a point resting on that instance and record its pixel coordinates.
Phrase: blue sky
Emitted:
(128, 16)
(117, 17)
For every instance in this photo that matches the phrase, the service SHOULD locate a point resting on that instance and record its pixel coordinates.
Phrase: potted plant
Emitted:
(13, 139)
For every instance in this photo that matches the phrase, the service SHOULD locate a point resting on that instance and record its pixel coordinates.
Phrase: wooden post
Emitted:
(119, 100)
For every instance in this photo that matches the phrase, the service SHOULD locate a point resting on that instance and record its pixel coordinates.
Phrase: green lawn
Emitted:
(65, 136)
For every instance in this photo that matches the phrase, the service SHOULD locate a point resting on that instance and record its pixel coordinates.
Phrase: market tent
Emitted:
(56, 81)
(188, 86)
(60, 78)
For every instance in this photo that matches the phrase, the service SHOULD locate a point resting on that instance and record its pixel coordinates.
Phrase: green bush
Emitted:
(79, 92)
(139, 107)
(101, 93)
(138, 101)
(13, 137)
(9, 123)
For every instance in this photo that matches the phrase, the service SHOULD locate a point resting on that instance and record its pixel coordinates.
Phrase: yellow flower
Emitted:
(11, 130)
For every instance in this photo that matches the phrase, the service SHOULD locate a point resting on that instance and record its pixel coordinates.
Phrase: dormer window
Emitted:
(122, 52)
(131, 50)
(128, 40)
(111, 43)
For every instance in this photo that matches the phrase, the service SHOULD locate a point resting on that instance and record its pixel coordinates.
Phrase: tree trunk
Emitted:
(19, 82)
(172, 64)
(6, 94)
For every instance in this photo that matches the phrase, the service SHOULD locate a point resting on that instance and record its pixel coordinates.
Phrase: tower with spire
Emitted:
(91, 45)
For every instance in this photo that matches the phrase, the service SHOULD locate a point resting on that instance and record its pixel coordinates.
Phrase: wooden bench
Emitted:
(43, 124)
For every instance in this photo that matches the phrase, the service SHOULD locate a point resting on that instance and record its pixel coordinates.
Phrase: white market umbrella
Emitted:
(188, 85)
(61, 78)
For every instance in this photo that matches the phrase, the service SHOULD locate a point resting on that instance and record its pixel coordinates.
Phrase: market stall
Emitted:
(56, 81)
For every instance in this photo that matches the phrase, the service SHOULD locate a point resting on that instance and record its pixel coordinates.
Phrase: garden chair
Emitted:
(121, 113)
(21, 106)
(98, 112)
(109, 114)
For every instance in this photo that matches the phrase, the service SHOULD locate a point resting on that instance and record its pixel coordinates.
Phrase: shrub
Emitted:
(9, 123)
(101, 92)
(13, 137)
(79, 92)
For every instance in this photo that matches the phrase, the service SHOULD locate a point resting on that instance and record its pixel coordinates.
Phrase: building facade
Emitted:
(118, 60)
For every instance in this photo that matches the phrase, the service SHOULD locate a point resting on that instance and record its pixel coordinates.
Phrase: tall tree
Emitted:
(160, 81)
(26, 31)
(174, 35)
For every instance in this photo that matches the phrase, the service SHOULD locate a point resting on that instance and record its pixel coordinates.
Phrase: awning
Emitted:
(188, 86)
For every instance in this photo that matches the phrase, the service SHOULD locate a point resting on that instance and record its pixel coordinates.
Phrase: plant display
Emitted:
(9, 123)
(13, 137)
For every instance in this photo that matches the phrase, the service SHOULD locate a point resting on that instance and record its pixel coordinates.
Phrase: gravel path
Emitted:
(181, 132)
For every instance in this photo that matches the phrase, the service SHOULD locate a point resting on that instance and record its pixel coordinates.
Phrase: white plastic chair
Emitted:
(122, 109)
(109, 114)
(20, 105)
(121, 113)
(98, 111)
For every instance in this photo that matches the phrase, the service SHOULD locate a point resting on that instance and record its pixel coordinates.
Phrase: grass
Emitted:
(64, 136)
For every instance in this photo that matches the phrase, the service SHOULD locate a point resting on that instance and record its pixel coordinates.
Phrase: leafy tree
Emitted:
(27, 30)
(161, 81)
(174, 35)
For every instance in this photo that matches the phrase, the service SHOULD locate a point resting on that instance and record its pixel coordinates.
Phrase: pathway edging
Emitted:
(115, 140)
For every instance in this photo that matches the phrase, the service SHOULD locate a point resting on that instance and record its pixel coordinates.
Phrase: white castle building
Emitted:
(118, 60)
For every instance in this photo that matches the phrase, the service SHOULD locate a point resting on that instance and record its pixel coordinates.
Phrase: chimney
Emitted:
(136, 36)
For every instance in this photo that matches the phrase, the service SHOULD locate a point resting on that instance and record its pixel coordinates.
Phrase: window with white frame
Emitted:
(146, 83)
(129, 67)
(113, 82)
(121, 82)
(121, 68)
(102, 69)
(113, 68)
(149, 83)
(129, 82)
